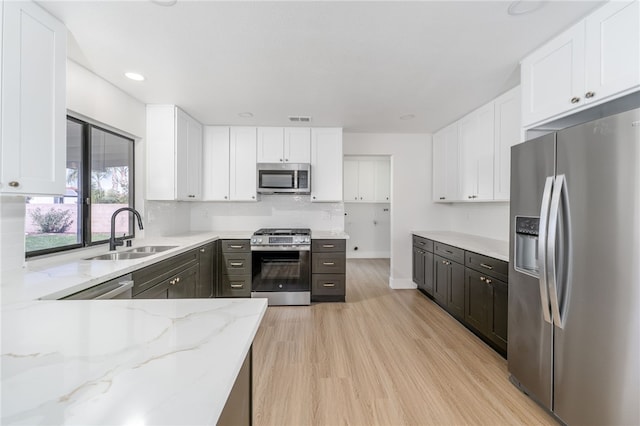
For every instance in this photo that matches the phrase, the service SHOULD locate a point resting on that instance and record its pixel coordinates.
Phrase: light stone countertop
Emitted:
(123, 362)
(497, 249)
(329, 235)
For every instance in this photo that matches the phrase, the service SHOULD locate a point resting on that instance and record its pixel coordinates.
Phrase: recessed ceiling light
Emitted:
(523, 7)
(134, 76)
(407, 117)
(245, 115)
(164, 2)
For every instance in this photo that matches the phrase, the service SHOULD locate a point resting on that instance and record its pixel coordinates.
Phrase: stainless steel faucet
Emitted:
(113, 243)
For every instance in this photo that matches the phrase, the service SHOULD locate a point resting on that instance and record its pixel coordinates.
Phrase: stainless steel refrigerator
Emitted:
(574, 272)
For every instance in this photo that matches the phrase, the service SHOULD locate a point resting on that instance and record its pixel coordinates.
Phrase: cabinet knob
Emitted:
(387, 198)
(253, 197)
(589, 95)
(482, 278)
(286, 159)
(489, 281)
(225, 197)
(202, 250)
(469, 196)
(355, 198)
(14, 184)
(281, 160)
(314, 198)
(575, 100)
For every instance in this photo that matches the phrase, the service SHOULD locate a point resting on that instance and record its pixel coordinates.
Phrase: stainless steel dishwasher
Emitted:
(118, 288)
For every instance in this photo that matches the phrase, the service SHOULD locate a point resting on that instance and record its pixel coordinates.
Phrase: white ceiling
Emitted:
(358, 65)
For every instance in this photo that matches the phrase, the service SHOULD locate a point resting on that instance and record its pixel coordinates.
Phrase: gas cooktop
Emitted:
(283, 231)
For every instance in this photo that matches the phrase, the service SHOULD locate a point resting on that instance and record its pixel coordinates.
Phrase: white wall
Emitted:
(12, 216)
(369, 229)
(271, 211)
(489, 220)
(411, 187)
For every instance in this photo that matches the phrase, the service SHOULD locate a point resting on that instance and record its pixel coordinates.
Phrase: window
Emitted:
(99, 181)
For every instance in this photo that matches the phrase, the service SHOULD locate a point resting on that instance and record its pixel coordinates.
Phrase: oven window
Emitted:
(276, 179)
(279, 269)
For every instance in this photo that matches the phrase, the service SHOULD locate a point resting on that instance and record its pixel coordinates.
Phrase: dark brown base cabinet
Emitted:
(471, 287)
(234, 268)
(423, 273)
(186, 275)
(328, 269)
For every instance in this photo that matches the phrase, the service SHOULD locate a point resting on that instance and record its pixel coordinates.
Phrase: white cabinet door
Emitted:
(33, 107)
(326, 164)
(297, 144)
(476, 153)
(507, 134)
(445, 164)
(383, 181)
(216, 163)
(270, 145)
(366, 181)
(242, 159)
(350, 180)
(553, 77)
(194, 160)
(612, 50)
(161, 157)
(182, 155)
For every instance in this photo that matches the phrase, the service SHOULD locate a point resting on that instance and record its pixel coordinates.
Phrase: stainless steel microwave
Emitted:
(284, 178)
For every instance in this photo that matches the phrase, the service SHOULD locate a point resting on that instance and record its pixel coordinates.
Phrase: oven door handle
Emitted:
(281, 248)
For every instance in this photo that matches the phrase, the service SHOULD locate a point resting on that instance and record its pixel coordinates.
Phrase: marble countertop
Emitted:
(329, 235)
(123, 362)
(497, 249)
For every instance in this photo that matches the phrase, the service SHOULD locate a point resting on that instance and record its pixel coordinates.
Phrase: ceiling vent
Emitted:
(299, 119)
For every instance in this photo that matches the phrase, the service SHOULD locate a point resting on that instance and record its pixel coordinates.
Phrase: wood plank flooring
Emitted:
(385, 357)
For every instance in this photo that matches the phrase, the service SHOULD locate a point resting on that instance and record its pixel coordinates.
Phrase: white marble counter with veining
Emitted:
(497, 249)
(329, 235)
(67, 273)
(123, 362)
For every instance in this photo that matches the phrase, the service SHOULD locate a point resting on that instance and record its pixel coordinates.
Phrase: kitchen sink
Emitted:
(124, 255)
(150, 249)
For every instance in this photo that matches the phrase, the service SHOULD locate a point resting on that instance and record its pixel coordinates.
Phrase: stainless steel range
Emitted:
(281, 265)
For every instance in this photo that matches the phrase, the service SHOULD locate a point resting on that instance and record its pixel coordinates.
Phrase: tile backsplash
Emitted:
(271, 211)
(165, 218)
(12, 217)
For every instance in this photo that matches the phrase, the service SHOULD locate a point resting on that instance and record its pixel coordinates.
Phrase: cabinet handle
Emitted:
(328, 263)
(421, 242)
(225, 197)
(575, 100)
(489, 281)
(236, 263)
(253, 197)
(328, 285)
(361, 198)
(236, 246)
(482, 278)
(442, 198)
(328, 246)
(355, 198)
(14, 184)
(286, 159)
(589, 95)
(387, 198)
(444, 262)
(449, 251)
(469, 196)
(237, 285)
(484, 265)
(281, 160)
(202, 250)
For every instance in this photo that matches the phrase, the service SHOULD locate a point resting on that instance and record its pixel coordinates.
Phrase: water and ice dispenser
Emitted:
(526, 256)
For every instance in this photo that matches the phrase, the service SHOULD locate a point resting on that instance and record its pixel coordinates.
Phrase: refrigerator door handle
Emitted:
(542, 248)
(559, 196)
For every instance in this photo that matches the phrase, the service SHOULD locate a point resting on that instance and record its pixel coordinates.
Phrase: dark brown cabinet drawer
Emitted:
(236, 263)
(328, 246)
(328, 285)
(423, 243)
(235, 246)
(153, 275)
(487, 265)
(328, 263)
(449, 252)
(235, 286)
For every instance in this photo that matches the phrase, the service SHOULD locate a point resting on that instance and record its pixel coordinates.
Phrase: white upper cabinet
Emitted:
(612, 50)
(242, 164)
(284, 145)
(594, 61)
(476, 154)
(215, 154)
(445, 164)
(507, 134)
(366, 180)
(326, 165)
(174, 154)
(33, 87)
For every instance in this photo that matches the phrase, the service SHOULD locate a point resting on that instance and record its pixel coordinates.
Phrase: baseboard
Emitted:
(401, 283)
(368, 255)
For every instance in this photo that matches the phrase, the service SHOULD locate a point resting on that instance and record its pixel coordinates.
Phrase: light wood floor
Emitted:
(385, 357)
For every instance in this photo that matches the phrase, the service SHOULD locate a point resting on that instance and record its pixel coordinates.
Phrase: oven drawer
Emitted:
(236, 263)
(328, 245)
(235, 286)
(328, 285)
(235, 246)
(328, 263)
